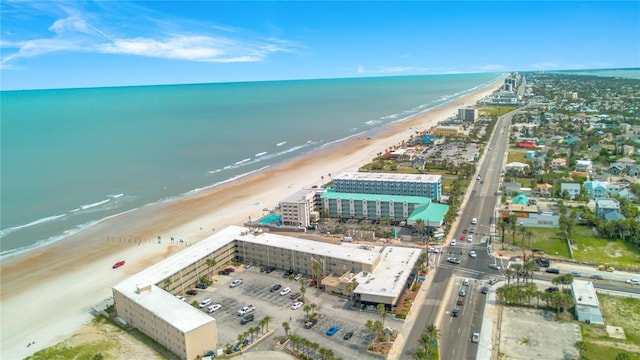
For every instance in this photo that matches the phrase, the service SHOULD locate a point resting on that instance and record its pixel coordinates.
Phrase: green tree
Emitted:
(383, 313)
(286, 327)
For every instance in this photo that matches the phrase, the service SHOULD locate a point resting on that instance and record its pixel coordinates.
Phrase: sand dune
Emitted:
(46, 295)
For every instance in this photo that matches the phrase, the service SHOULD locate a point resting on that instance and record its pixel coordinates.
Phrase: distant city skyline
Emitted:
(71, 44)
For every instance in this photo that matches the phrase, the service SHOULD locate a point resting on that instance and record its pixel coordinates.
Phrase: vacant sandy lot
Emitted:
(535, 334)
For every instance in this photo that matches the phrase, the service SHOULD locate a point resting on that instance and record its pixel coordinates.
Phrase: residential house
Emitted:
(544, 190)
(572, 188)
(616, 169)
(511, 188)
(605, 206)
(596, 189)
(516, 166)
(584, 166)
(559, 163)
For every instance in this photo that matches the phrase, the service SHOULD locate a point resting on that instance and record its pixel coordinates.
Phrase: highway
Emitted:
(455, 333)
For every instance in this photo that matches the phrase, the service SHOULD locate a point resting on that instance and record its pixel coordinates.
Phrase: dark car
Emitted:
(224, 272)
(597, 277)
(460, 302)
(485, 290)
(551, 289)
(238, 345)
(269, 269)
(294, 295)
(246, 319)
(455, 312)
(275, 287)
(309, 324)
(202, 286)
(348, 335)
(263, 268)
(192, 292)
(553, 271)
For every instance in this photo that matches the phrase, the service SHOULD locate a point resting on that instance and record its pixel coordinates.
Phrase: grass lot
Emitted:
(617, 311)
(547, 239)
(589, 249)
(496, 110)
(517, 155)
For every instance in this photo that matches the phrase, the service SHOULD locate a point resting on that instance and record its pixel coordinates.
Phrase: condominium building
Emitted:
(301, 208)
(467, 114)
(371, 206)
(147, 300)
(420, 185)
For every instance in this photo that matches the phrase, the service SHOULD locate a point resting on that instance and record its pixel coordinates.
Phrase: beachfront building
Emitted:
(467, 114)
(447, 130)
(370, 206)
(143, 302)
(421, 185)
(301, 208)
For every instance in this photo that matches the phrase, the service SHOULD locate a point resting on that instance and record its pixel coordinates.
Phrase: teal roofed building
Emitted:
(432, 214)
(377, 206)
(520, 199)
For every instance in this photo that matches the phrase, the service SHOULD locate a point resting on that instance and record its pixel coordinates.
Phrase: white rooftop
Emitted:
(362, 254)
(390, 276)
(584, 293)
(422, 178)
(301, 195)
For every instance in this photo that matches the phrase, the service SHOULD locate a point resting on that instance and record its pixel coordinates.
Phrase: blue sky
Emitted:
(62, 44)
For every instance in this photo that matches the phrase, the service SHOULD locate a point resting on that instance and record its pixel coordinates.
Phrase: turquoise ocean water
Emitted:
(75, 156)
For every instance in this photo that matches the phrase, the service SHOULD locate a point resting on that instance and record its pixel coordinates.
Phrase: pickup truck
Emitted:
(245, 310)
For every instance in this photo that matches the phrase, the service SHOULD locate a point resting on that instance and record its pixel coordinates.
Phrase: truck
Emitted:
(245, 310)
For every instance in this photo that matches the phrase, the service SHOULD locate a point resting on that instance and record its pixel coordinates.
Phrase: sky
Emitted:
(68, 44)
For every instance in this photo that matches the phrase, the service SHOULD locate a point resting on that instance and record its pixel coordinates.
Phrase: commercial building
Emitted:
(467, 114)
(587, 306)
(421, 185)
(147, 300)
(447, 130)
(301, 208)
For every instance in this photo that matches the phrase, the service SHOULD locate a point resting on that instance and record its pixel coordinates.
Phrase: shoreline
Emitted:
(80, 265)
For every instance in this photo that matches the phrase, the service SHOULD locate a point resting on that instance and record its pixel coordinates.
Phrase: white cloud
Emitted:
(491, 67)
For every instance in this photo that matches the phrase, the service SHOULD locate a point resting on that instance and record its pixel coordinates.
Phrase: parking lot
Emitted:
(332, 310)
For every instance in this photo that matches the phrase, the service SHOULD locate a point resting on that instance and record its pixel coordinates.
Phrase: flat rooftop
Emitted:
(584, 293)
(390, 276)
(301, 195)
(422, 178)
(357, 253)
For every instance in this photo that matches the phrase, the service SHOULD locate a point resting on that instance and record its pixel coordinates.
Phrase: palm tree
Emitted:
(508, 273)
(379, 326)
(420, 229)
(370, 327)
(323, 353)
(523, 231)
(306, 309)
(313, 307)
(383, 312)
(295, 340)
(262, 322)
(321, 179)
(316, 269)
(303, 289)
(286, 327)
(266, 320)
(211, 263)
(503, 228)
(512, 226)
(424, 340)
(529, 235)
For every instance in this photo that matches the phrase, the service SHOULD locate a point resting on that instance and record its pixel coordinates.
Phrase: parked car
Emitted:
(224, 273)
(275, 287)
(462, 237)
(576, 273)
(214, 308)
(202, 286)
(453, 242)
(465, 282)
(248, 265)
(348, 335)
(235, 283)
(485, 290)
(229, 269)
(313, 282)
(465, 231)
(285, 291)
(181, 298)
(493, 281)
(470, 238)
(462, 292)
(245, 310)
(298, 277)
(433, 250)
(455, 312)
(309, 324)
(269, 270)
(205, 302)
(475, 337)
(474, 221)
(460, 302)
(633, 281)
(118, 264)
(472, 254)
(296, 305)
(472, 230)
(192, 292)
(332, 330)
(246, 319)
(240, 344)
(294, 295)
(551, 289)
(287, 273)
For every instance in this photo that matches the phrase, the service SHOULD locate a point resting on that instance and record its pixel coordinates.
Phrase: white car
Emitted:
(472, 254)
(298, 277)
(214, 308)
(433, 250)
(475, 337)
(235, 283)
(296, 305)
(453, 242)
(181, 298)
(205, 302)
(465, 282)
(285, 291)
(470, 238)
(633, 281)
(474, 221)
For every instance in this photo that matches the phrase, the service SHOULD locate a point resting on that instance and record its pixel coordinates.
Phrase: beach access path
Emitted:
(48, 294)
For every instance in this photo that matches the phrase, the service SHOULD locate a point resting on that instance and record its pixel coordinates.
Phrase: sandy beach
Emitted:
(47, 295)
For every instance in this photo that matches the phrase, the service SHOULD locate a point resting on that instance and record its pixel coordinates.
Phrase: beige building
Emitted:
(447, 131)
(301, 208)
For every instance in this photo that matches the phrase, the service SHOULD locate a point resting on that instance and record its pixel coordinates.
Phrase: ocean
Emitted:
(72, 157)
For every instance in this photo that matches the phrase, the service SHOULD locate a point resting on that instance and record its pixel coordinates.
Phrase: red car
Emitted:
(462, 237)
(229, 270)
(118, 264)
